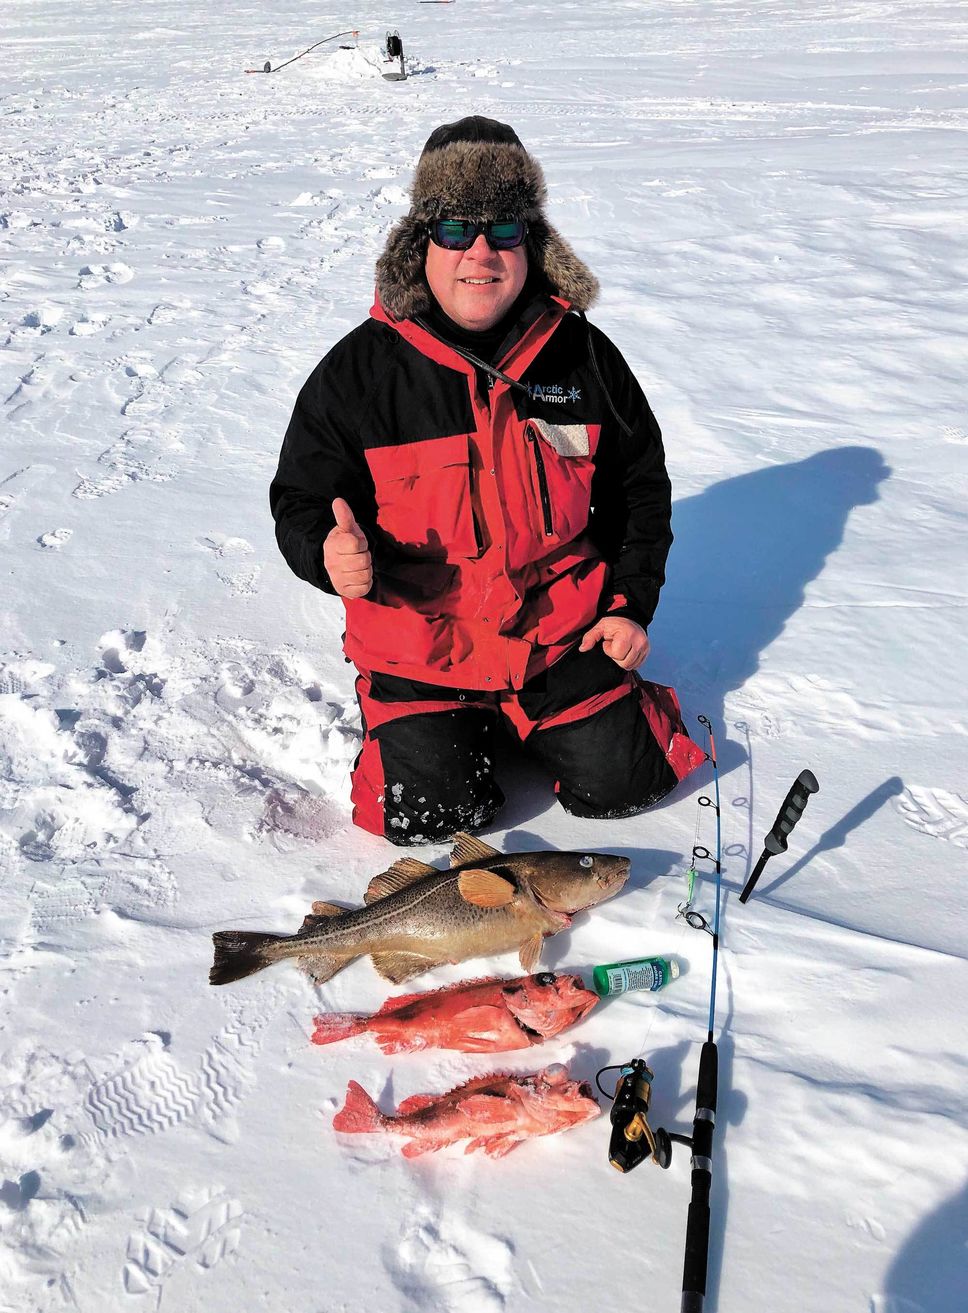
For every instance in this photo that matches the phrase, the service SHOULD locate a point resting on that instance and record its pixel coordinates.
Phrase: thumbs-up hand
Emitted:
(346, 555)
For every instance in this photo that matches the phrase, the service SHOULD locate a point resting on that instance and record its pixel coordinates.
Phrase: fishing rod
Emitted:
(632, 1139)
(267, 66)
(696, 1258)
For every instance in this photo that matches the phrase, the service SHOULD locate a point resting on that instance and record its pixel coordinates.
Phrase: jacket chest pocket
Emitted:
(561, 458)
(423, 496)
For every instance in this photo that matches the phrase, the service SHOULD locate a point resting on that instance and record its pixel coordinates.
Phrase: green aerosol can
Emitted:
(638, 973)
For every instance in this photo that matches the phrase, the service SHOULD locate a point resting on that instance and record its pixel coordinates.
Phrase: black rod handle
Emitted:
(697, 1227)
(794, 805)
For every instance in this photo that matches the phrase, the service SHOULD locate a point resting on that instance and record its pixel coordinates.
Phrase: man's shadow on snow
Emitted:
(928, 1275)
(745, 551)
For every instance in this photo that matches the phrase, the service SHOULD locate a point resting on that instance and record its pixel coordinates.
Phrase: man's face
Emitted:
(478, 286)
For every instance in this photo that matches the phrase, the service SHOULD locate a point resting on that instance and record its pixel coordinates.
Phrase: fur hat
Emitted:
(476, 168)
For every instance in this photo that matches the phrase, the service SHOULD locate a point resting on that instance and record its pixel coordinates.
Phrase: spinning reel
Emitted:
(633, 1139)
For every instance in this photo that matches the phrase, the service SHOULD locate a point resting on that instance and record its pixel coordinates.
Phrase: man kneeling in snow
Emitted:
(477, 473)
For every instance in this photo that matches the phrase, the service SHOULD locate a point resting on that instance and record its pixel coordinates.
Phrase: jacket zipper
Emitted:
(539, 466)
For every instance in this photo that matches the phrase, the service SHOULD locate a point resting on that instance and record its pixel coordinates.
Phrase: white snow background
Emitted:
(775, 198)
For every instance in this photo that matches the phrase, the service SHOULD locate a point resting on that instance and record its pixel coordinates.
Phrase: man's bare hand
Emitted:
(346, 555)
(622, 639)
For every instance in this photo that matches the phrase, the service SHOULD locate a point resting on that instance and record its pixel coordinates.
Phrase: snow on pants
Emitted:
(614, 744)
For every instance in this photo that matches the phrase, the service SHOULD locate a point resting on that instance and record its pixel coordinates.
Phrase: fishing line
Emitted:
(695, 920)
(267, 67)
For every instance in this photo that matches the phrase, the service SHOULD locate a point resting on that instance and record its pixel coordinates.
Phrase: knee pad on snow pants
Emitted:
(608, 765)
(426, 767)
(424, 774)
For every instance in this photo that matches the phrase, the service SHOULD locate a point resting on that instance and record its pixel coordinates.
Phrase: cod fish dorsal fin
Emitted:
(321, 913)
(469, 849)
(398, 876)
(321, 908)
(485, 888)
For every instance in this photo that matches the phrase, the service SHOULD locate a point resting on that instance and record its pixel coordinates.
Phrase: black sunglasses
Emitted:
(461, 234)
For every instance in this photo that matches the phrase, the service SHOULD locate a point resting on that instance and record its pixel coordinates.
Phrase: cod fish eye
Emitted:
(586, 862)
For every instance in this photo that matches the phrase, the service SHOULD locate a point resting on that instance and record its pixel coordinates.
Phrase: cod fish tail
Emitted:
(240, 953)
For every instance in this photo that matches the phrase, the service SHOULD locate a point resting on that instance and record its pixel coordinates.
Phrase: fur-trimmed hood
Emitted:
(476, 169)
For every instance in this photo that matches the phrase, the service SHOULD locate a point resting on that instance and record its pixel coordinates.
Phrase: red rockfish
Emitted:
(495, 1113)
(476, 1016)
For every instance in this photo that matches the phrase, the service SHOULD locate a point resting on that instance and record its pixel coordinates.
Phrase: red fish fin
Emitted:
(399, 967)
(333, 1026)
(400, 1042)
(486, 1028)
(403, 1001)
(444, 993)
(499, 1146)
(359, 1115)
(467, 848)
(416, 1103)
(401, 874)
(485, 1108)
(414, 1148)
(530, 951)
(485, 888)
(493, 1079)
(239, 953)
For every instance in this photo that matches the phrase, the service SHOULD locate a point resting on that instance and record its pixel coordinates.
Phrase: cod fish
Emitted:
(479, 1016)
(417, 917)
(494, 1113)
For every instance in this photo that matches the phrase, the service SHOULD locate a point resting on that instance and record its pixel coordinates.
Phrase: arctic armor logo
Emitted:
(553, 392)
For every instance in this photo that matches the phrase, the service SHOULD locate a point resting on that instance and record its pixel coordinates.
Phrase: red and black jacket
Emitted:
(502, 520)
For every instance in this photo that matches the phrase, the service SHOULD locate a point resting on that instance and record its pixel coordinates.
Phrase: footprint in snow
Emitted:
(936, 812)
(91, 276)
(88, 324)
(200, 1229)
(243, 583)
(221, 545)
(42, 320)
(55, 539)
(300, 814)
(446, 1265)
(43, 1182)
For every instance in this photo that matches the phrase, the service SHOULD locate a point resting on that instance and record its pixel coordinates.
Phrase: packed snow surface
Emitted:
(775, 198)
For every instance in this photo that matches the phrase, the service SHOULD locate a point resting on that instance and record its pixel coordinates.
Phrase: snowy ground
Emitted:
(774, 196)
